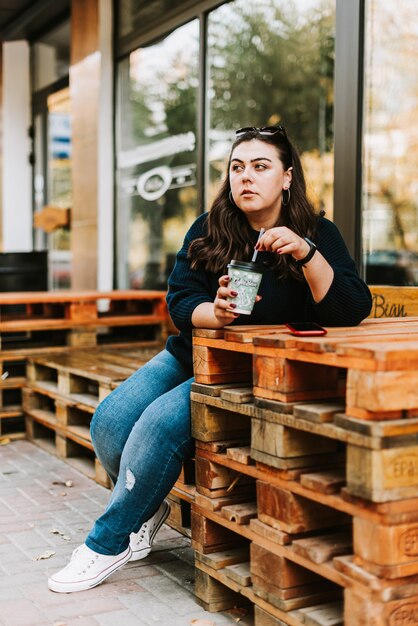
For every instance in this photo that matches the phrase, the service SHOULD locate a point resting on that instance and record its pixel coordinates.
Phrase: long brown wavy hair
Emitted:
(229, 234)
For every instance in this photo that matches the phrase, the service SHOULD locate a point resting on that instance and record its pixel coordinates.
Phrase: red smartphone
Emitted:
(306, 329)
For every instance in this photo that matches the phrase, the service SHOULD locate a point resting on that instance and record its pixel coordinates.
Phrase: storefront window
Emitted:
(390, 152)
(272, 62)
(156, 156)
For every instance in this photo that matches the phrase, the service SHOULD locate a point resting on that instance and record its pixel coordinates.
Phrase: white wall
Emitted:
(105, 152)
(17, 172)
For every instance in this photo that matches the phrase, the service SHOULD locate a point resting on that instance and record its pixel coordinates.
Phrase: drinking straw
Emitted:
(262, 231)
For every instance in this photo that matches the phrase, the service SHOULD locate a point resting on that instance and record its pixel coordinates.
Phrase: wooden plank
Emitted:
(211, 333)
(330, 614)
(222, 445)
(295, 462)
(219, 560)
(240, 513)
(239, 573)
(62, 324)
(245, 334)
(212, 390)
(360, 337)
(324, 547)
(330, 481)
(276, 406)
(241, 455)
(216, 504)
(319, 412)
(238, 394)
(272, 534)
(384, 429)
(24, 297)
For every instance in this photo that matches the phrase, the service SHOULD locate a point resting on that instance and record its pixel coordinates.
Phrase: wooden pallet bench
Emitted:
(333, 431)
(49, 323)
(60, 397)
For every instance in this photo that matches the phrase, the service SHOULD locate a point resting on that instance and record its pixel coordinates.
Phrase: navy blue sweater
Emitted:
(347, 302)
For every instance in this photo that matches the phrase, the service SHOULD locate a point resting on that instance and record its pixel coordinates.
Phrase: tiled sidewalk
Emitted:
(40, 515)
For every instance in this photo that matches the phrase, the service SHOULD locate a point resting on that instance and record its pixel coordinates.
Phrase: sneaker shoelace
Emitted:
(143, 531)
(86, 559)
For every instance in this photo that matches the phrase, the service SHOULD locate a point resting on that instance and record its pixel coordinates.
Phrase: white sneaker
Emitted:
(141, 542)
(86, 569)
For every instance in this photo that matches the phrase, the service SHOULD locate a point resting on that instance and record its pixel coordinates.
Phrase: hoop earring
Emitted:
(231, 199)
(288, 196)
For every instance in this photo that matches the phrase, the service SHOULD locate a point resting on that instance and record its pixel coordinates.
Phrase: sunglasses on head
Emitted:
(264, 130)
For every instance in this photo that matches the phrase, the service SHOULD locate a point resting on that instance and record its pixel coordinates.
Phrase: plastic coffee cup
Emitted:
(245, 278)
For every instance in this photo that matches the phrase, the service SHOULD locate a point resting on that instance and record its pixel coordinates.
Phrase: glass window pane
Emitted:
(390, 163)
(59, 185)
(272, 62)
(156, 156)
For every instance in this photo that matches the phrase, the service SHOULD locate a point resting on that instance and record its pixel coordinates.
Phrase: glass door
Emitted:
(52, 185)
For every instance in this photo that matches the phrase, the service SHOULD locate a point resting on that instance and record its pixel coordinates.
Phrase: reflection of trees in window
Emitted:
(391, 135)
(272, 62)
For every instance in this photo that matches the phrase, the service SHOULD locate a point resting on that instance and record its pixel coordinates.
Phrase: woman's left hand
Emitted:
(282, 240)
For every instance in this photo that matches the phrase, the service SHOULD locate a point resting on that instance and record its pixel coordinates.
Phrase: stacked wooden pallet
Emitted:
(51, 322)
(60, 397)
(327, 430)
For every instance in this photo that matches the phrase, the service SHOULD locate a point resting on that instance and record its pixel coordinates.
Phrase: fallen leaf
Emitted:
(4, 441)
(202, 622)
(44, 555)
(55, 531)
(64, 483)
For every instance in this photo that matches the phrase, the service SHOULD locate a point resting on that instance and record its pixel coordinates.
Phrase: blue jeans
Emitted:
(141, 434)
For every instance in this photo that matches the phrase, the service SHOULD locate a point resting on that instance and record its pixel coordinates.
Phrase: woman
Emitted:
(141, 432)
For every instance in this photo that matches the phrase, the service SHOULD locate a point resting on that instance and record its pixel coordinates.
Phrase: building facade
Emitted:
(117, 118)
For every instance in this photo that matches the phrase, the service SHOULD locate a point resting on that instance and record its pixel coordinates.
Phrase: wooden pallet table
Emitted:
(60, 397)
(346, 513)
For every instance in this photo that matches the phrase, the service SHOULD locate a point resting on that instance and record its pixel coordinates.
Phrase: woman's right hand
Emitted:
(223, 309)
